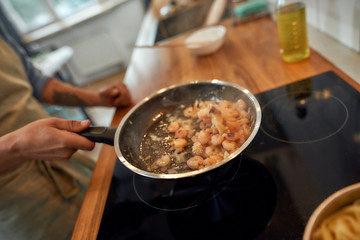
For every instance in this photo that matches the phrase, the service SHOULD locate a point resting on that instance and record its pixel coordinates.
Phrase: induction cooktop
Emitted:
(308, 147)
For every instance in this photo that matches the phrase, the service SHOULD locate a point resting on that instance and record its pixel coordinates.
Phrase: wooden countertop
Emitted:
(249, 57)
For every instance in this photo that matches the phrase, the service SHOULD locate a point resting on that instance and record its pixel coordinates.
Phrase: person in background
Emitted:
(42, 181)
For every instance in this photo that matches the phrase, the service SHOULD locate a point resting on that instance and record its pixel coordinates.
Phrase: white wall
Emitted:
(339, 19)
(102, 44)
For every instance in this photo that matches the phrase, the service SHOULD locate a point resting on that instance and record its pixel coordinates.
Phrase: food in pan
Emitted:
(343, 224)
(194, 137)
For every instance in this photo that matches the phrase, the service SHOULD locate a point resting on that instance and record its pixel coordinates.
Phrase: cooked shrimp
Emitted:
(229, 145)
(244, 114)
(209, 161)
(179, 143)
(198, 148)
(196, 162)
(214, 130)
(240, 104)
(244, 121)
(205, 123)
(164, 161)
(230, 113)
(247, 131)
(234, 125)
(243, 136)
(204, 137)
(194, 139)
(189, 112)
(216, 139)
(203, 113)
(241, 140)
(218, 157)
(212, 150)
(225, 104)
(233, 136)
(181, 133)
(173, 127)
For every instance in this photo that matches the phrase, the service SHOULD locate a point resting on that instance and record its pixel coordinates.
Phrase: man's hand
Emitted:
(115, 95)
(47, 139)
(60, 93)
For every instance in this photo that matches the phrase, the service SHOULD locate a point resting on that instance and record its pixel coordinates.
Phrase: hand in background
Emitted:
(115, 95)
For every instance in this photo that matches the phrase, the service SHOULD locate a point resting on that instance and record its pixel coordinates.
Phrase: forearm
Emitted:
(60, 93)
(48, 139)
(9, 157)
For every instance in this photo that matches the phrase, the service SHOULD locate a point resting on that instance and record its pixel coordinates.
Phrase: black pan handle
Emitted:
(100, 134)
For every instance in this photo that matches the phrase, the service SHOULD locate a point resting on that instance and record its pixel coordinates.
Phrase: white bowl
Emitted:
(206, 40)
(330, 205)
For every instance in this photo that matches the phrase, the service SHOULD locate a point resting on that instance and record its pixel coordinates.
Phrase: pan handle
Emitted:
(100, 134)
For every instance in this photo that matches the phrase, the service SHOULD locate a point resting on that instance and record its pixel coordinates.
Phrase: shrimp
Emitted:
(216, 139)
(212, 150)
(241, 140)
(214, 130)
(203, 113)
(240, 104)
(244, 114)
(234, 125)
(181, 133)
(247, 131)
(163, 161)
(198, 149)
(209, 161)
(173, 127)
(244, 121)
(179, 143)
(214, 159)
(229, 145)
(230, 113)
(189, 112)
(194, 139)
(218, 157)
(225, 104)
(206, 123)
(233, 136)
(196, 162)
(204, 137)
(244, 133)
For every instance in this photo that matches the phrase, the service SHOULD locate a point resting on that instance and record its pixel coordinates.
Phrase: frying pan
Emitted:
(127, 137)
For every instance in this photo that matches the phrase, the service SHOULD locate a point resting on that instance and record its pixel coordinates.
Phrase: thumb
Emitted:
(73, 125)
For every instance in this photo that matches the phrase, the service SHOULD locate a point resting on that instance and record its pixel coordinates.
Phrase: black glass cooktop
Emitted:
(308, 147)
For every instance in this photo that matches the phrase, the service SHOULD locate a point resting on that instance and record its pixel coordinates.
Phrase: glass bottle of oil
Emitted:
(292, 30)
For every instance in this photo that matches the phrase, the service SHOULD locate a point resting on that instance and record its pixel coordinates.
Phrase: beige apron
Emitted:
(38, 199)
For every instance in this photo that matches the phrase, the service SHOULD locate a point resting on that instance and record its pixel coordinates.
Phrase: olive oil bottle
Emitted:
(292, 30)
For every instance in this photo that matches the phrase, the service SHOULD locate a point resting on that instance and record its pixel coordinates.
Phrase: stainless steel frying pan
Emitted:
(127, 137)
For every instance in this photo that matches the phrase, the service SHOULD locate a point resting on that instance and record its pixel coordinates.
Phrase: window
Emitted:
(64, 8)
(30, 15)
